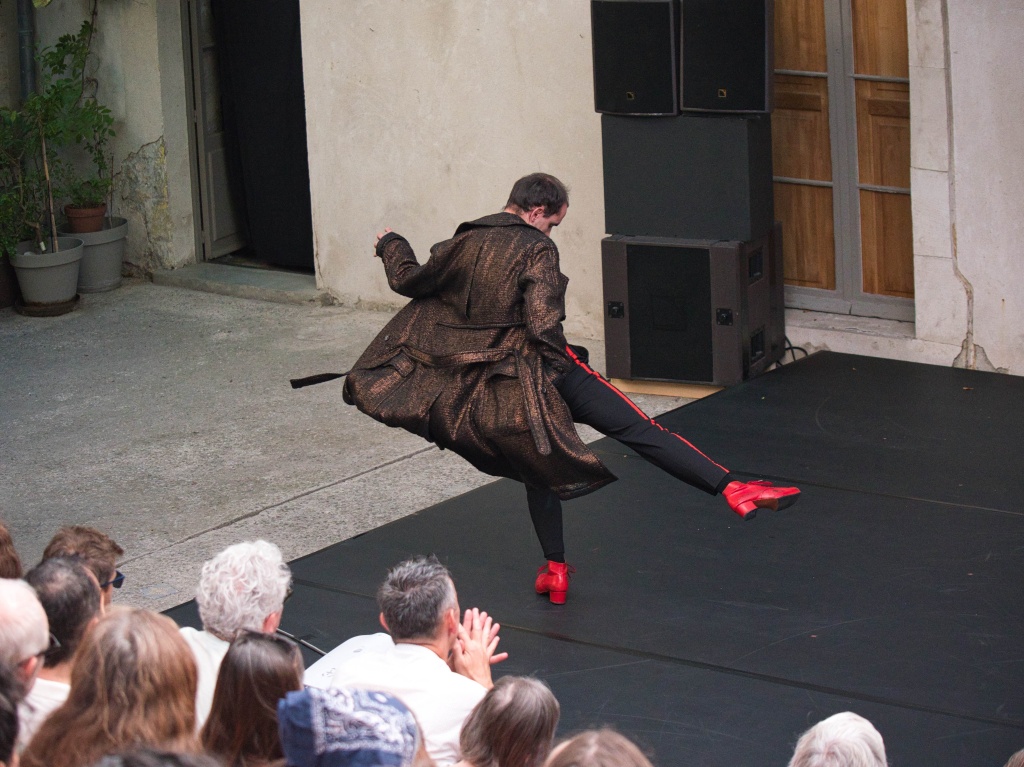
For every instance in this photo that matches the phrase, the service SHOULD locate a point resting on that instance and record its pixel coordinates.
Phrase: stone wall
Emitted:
(422, 114)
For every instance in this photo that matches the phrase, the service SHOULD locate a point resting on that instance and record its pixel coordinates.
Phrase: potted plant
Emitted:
(88, 126)
(46, 264)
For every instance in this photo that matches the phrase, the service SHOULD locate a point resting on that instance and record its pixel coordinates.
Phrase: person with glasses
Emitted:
(24, 631)
(241, 589)
(99, 552)
(73, 604)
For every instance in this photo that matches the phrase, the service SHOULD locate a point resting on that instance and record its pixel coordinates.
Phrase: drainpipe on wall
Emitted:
(26, 47)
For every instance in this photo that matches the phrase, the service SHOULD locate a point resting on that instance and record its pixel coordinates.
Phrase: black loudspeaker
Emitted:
(635, 56)
(726, 55)
(694, 311)
(694, 176)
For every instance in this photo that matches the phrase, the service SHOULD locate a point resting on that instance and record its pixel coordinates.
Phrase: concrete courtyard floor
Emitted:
(164, 417)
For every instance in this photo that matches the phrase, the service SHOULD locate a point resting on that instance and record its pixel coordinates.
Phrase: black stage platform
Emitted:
(893, 589)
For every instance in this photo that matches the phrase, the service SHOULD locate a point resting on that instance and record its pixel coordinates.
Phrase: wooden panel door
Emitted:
(841, 153)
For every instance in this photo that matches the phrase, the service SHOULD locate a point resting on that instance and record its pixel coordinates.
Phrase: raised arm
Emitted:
(406, 275)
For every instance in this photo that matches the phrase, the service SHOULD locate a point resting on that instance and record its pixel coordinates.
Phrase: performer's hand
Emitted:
(474, 650)
(377, 241)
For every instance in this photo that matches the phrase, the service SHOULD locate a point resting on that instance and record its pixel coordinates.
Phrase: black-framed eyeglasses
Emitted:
(117, 581)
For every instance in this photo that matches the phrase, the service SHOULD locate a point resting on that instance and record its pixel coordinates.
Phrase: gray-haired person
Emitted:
(437, 662)
(241, 589)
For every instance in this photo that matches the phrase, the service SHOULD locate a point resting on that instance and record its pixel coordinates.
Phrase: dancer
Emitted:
(477, 363)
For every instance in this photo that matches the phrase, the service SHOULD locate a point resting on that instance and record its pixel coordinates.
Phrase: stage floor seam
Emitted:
(713, 667)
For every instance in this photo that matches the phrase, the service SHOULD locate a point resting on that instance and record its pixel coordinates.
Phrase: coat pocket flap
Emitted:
(402, 363)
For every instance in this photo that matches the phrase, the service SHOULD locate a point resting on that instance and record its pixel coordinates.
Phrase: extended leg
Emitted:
(595, 402)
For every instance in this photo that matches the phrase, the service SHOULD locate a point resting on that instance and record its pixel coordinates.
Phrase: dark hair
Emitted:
(151, 757)
(512, 726)
(414, 597)
(257, 671)
(10, 562)
(598, 748)
(98, 551)
(10, 694)
(71, 598)
(538, 189)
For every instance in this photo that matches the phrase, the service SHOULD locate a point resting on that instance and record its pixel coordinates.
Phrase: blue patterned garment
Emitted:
(345, 727)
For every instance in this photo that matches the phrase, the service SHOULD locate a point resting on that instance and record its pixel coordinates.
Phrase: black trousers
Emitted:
(595, 402)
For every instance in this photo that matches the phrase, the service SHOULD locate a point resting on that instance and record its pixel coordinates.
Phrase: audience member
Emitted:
(151, 757)
(420, 611)
(258, 671)
(10, 562)
(344, 727)
(241, 589)
(133, 684)
(9, 696)
(597, 748)
(24, 632)
(842, 740)
(98, 551)
(1017, 760)
(72, 600)
(512, 726)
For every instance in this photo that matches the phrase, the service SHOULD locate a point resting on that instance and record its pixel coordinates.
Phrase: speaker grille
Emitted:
(635, 58)
(670, 312)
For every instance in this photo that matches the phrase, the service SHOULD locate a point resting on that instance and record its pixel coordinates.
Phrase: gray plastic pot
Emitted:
(103, 255)
(48, 278)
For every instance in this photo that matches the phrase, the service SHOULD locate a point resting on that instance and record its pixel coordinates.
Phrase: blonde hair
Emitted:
(133, 683)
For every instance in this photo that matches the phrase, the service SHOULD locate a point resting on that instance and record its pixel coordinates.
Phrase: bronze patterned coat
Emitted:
(470, 363)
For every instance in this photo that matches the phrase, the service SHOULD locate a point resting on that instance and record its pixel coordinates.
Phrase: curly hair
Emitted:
(844, 739)
(240, 587)
(133, 684)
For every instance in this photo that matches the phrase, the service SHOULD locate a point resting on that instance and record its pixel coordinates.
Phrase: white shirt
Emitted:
(440, 698)
(209, 651)
(43, 699)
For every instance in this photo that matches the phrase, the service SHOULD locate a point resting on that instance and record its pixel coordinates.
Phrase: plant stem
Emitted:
(49, 190)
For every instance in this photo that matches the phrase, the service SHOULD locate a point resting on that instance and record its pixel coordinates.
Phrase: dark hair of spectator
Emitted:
(257, 671)
(512, 726)
(10, 562)
(9, 697)
(598, 748)
(133, 684)
(97, 550)
(414, 596)
(538, 190)
(71, 598)
(151, 757)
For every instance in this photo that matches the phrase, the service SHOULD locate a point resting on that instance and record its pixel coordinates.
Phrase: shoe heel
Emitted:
(557, 597)
(747, 510)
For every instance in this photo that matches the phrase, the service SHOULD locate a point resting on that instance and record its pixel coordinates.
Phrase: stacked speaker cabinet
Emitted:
(692, 272)
(698, 311)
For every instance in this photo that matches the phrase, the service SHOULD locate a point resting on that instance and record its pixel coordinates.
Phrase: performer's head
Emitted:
(541, 200)
(418, 601)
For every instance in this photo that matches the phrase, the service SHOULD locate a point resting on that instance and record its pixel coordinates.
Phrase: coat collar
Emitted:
(495, 219)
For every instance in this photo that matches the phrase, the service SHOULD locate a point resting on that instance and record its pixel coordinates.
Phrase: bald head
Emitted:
(24, 632)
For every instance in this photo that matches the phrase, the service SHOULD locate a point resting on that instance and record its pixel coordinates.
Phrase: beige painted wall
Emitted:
(421, 114)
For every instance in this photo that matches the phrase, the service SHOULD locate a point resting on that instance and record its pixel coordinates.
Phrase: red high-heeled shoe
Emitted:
(553, 580)
(745, 498)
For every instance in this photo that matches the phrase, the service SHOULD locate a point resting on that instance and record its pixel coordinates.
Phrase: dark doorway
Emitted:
(250, 133)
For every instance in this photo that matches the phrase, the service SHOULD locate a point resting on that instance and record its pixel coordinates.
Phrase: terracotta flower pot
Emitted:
(85, 219)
